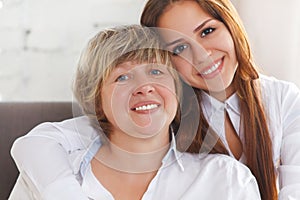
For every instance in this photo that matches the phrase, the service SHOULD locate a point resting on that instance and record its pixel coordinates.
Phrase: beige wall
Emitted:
(274, 30)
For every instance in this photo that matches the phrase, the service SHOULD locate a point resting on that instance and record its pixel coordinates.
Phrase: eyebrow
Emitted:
(194, 31)
(201, 25)
(173, 42)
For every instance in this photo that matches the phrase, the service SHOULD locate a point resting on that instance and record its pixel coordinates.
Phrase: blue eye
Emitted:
(179, 49)
(122, 77)
(207, 31)
(155, 72)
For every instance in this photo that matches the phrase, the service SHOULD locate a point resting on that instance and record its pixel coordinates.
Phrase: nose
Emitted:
(200, 53)
(144, 90)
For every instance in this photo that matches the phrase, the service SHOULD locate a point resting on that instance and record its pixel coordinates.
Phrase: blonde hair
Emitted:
(103, 53)
(258, 144)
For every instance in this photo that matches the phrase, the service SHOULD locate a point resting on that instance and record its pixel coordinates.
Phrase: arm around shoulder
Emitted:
(42, 155)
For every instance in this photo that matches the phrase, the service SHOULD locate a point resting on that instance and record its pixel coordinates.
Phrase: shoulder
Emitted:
(274, 84)
(72, 134)
(278, 92)
(210, 170)
(79, 125)
(218, 163)
(68, 124)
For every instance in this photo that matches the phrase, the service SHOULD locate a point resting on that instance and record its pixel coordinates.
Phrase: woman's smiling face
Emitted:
(140, 99)
(203, 49)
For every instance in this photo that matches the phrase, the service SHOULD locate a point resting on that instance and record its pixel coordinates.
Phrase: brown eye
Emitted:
(207, 31)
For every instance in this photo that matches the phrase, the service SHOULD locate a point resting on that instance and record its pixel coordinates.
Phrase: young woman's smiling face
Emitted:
(139, 99)
(203, 49)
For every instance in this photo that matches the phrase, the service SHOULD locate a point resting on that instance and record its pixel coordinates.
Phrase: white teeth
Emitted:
(212, 69)
(146, 107)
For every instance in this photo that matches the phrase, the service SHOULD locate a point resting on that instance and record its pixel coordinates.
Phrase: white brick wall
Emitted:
(40, 40)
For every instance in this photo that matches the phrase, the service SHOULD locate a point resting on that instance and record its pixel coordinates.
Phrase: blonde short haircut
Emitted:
(103, 53)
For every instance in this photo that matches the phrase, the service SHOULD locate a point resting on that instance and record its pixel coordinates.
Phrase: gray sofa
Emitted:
(16, 119)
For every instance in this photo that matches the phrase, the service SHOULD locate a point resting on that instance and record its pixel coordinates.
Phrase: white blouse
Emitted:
(281, 101)
(181, 176)
(282, 106)
(185, 176)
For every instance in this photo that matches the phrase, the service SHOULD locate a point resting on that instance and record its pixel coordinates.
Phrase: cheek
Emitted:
(114, 101)
(230, 50)
(171, 102)
(183, 67)
(106, 105)
(119, 99)
(165, 86)
(170, 98)
(227, 44)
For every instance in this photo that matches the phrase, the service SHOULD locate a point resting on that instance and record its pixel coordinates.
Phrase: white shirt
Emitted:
(181, 176)
(45, 167)
(282, 106)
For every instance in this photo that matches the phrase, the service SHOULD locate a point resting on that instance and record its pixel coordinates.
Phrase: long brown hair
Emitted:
(257, 144)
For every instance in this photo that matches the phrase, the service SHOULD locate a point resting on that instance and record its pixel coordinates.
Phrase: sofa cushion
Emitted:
(16, 119)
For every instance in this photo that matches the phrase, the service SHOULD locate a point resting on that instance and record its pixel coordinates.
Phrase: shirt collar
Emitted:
(173, 155)
(85, 158)
(212, 104)
(234, 103)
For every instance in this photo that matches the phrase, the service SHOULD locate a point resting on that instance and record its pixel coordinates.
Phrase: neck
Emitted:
(134, 155)
(222, 95)
(137, 144)
(130, 162)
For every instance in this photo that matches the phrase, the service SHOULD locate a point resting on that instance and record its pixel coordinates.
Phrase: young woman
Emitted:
(127, 86)
(261, 122)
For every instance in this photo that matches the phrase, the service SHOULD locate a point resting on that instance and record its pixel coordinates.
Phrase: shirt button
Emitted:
(226, 106)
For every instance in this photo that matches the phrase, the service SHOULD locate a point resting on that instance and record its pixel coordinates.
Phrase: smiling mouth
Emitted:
(212, 69)
(146, 107)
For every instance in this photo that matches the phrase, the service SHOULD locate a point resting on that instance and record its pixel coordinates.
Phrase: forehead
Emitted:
(131, 65)
(172, 17)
